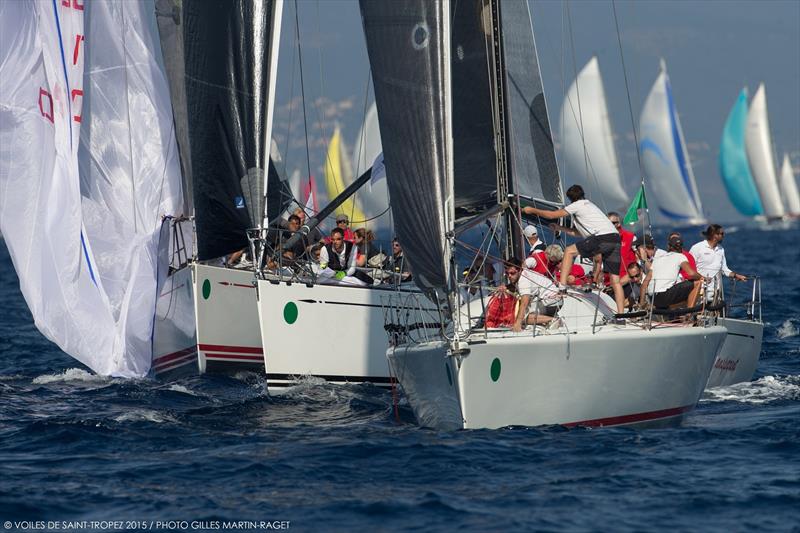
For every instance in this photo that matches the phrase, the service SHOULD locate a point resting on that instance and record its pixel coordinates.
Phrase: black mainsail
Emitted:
(221, 59)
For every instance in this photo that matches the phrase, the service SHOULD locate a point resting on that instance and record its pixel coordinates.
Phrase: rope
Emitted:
(630, 110)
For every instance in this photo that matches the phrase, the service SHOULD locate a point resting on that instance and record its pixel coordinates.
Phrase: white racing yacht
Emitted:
(466, 136)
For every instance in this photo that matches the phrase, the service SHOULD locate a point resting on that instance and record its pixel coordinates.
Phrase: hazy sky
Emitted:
(712, 50)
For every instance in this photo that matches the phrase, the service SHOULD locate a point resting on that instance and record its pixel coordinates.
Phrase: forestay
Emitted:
(664, 157)
(733, 165)
(222, 60)
(759, 153)
(85, 244)
(588, 141)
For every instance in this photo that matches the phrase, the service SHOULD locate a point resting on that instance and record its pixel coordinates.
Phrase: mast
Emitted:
(513, 241)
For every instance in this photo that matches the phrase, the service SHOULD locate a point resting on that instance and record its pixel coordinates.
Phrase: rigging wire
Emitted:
(633, 124)
(302, 88)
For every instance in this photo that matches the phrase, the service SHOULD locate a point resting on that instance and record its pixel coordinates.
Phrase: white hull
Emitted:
(618, 376)
(207, 321)
(738, 358)
(329, 331)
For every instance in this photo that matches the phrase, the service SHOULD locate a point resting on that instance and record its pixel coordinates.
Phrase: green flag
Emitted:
(640, 202)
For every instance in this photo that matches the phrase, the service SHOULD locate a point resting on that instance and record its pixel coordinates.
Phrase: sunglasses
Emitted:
(511, 271)
(616, 222)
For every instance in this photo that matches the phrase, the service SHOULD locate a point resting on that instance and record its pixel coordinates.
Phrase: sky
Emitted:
(712, 49)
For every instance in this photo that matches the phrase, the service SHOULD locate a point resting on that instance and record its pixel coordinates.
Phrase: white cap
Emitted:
(529, 231)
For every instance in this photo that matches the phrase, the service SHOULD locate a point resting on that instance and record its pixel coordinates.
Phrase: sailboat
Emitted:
(221, 59)
(584, 369)
(588, 139)
(665, 158)
(758, 144)
(789, 188)
(734, 166)
(339, 174)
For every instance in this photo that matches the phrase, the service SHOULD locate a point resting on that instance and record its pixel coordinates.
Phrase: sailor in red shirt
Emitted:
(626, 245)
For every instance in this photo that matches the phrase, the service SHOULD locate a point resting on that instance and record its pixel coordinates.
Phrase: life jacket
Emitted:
(501, 310)
(333, 256)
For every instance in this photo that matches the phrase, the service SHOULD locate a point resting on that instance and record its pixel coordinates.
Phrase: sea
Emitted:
(205, 453)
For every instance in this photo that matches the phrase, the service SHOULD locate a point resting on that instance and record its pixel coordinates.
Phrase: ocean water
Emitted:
(202, 452)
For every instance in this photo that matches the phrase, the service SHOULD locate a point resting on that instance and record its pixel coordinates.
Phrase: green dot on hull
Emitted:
(206, 289)
(290, 312)
(495, 370)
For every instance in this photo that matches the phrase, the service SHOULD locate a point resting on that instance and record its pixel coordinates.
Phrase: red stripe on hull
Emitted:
(630, 419)
(160, 360)
(175, 363)
(234, 349)
(234, 357)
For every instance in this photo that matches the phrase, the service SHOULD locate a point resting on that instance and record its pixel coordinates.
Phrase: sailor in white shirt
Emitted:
(710, 257)
(532, 236)
(663, 282)
(600, 238)
(538, 298)
(340, 257)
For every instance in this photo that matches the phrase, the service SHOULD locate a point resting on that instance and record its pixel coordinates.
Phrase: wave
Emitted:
(180, 388)
(764, 390)
(70, 374)
(145, 415)
(788, 329)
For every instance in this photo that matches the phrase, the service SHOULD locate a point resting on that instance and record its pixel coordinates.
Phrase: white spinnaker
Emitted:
(92, 292)
(759, 152)
(664, 157)
(789, 187)
(595, 168)
(373, 197)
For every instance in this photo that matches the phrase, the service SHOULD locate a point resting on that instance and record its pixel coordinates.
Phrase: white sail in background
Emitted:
(374, 197)
(789, 188)
(85, 243)
(759, 153)
(664, 156)
(595, 168)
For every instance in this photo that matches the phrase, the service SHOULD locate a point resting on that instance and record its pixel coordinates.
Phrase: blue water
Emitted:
(74, 446)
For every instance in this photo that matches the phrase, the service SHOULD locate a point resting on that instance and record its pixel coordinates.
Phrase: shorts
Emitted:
(608, 246)
(677, 293)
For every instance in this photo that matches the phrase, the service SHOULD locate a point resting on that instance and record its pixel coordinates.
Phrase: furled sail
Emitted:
(408, 42)
(534, 170)
(789, 187)
(663, 150)
(588, 140)
(733, 165)
(759, 153)
(85, 242)
(222, 59)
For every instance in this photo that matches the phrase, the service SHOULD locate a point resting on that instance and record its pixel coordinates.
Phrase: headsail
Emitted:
(408, 42)
(759, 153)
(85, 243)
(367, 149)
(588, 140)
(339, 174)
(227, 76)
(789, 187)
(733, 165)
(664, 157)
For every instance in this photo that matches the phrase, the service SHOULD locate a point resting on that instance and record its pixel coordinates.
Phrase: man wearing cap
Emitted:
(533, 239)
(600, 237)
(343, 223)
(663, 283)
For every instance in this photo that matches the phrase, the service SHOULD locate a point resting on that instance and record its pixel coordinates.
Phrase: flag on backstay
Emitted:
(639, 202)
